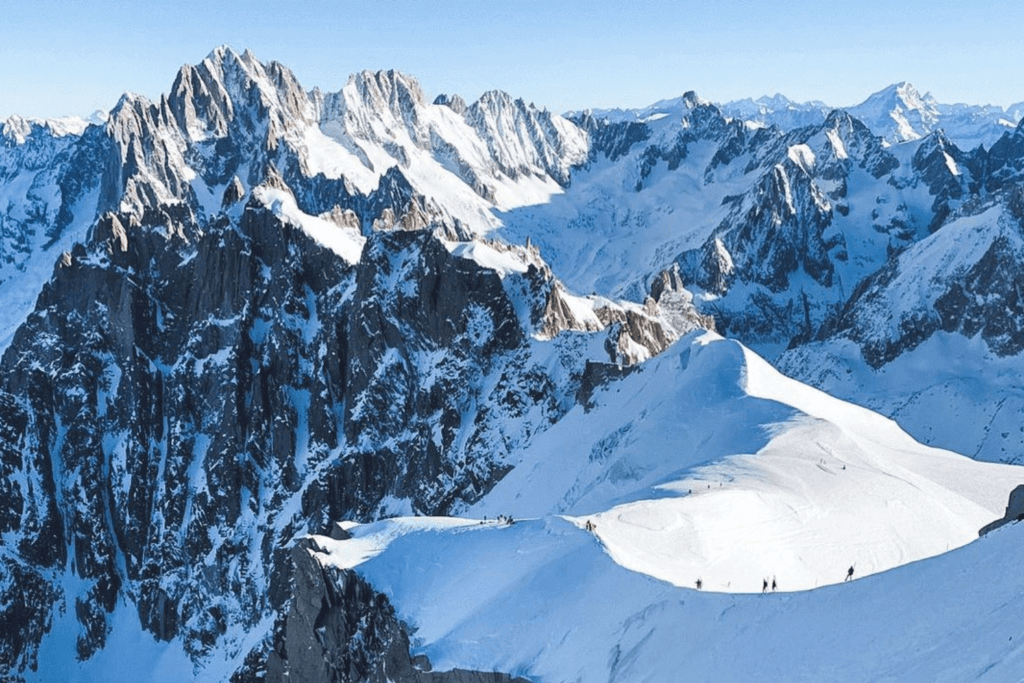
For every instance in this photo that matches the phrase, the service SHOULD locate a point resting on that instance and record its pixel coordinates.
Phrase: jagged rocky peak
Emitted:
(899, 113)
(111, 231)
(633, 332)
(233, 193)
(905, 94)
(391, 90)
(667, 282)
(1005, 160)
(19, 128)
(207, 97)
(702, 118)
(375, 105)
(851, 139)
(153, 170)
(690, 100)
(776, 101)
(523, 140)
(941, 165)
(454, 102)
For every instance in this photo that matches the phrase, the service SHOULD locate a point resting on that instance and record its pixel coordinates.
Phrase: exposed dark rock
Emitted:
(1014, 511)
(989, 299)
(597, 375)
(612, 139)
(233, 193)
(340, 630)
(455, 103)
(936, 161)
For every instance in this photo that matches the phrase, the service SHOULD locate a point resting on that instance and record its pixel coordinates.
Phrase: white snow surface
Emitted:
(345, 242)
(707, 463)
(602, 236)
(950, 391)
(504, 262)
(543, 600)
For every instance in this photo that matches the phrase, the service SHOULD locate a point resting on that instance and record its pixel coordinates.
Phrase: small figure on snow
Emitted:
(764, 586)
(849, 574)
(774, 585)
(700, 584)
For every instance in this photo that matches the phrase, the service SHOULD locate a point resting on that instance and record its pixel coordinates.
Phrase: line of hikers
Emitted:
(764, 584)
(501, 519)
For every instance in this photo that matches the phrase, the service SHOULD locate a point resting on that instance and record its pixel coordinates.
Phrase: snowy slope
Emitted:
(950, 391)
(543, 599)
(899, 113)
(935, 340)
(708, 463)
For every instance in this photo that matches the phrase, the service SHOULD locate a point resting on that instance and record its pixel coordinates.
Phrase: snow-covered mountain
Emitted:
(777, 110)
(255, 326)
(900, 113)
(937, 332)
(247, 311)
(897, 114)
(778, 234)
(799, 489)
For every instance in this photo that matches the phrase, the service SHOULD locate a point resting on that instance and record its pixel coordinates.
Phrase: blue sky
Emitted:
(59, 57)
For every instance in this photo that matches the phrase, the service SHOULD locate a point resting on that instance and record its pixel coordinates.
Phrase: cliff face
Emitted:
(339, 629)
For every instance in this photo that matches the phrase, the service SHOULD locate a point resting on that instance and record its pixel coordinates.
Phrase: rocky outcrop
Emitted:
(976, 292)
(1014, 512)
(340, 630)
(943, 168)
(612, 140)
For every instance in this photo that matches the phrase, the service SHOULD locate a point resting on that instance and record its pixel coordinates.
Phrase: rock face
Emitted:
(340, 629)
(964, 280)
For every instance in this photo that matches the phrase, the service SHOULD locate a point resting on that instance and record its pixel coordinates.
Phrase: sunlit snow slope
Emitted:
(541, 599)
(705, 463)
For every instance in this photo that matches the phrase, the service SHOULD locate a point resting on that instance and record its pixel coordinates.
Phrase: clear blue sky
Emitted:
(60, 57)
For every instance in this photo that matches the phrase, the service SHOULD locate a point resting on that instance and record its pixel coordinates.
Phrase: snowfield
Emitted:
(542, 599)
(711, 465)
